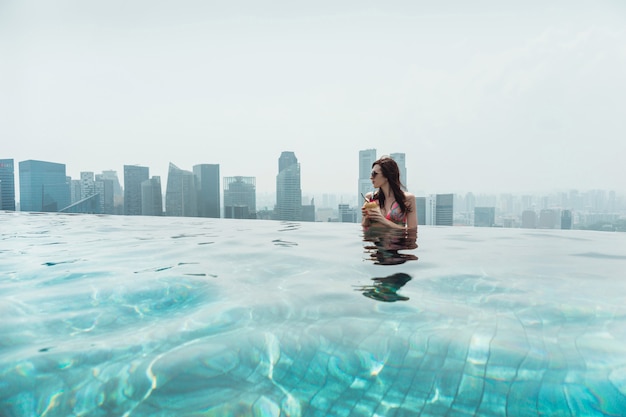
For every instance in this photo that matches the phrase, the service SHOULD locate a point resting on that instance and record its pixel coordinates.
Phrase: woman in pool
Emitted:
(395, 208)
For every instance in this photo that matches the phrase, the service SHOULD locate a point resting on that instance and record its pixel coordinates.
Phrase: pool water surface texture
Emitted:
(158, 316)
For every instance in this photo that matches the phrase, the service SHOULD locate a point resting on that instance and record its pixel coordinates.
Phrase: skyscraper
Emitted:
(105, 188)
(400, 159)
(444, 209)
(134, 175)
(87, 185)
(151, 197)
(366, 158)
(181, 195)
(208, 189)
(43, 186)
(7, 185)
(288, 191)
(484, 216)
(240, 197)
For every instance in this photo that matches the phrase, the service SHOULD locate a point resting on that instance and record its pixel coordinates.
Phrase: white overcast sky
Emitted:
(482, 96)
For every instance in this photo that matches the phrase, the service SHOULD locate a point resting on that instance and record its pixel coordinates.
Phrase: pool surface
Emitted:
(149, 316)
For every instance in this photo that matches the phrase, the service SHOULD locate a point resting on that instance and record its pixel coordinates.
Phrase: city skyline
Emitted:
(507, 97)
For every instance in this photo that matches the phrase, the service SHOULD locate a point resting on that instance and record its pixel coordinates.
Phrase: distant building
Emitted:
(549, 219)
(207, 178)
(420, 203)
(566, 219)
(134, 175)
(7, 185)
(105, 188)
(444, 205)
(88, 205)
(484, 216)
(366, 158)
(181, 195)
(529, 219)
(152, 197)
(308, 212)
(400, 159)
(288, 191)
(240, 197)
(87, 185)
(43, 186)
(347, 214)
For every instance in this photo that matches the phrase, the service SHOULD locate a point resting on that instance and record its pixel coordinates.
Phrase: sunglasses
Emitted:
(373, 174)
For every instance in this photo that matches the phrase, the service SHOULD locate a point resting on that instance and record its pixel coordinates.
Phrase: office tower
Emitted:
(134, 175)
(7, 185)
(105, 188)
(549, 219)
(240, 197)
(400, 159)
(484, 216)
(420, 207)
(74, 190)
(529, 219)
(112, 175)
(366, 158)
(308, 212)
(444, 204)
(181, 195)
(346, 213)
(208, 189)
(43, 186)
(151, 197)
(87, 185)
(288, 191)
(566, 219)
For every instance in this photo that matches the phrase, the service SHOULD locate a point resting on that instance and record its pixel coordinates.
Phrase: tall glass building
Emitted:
(366, 158)
(151, 197)
(7, 185)
(208, 189)
(134, 175)
(444, 210)
(181, 195)
(288, 190)
(240, 197)
(43, 186)
(400, 159)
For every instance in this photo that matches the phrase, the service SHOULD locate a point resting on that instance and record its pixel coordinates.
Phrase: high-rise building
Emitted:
(420, 206)
(366, 158)
(43, 186)
(240, 197)
(87, 185)
(566, 219)
(208, 189)
(484, 216)
(400, 159)
(151, 197)
(118, 192)
(181, 194)
(529, 219)
(104, 187)
(134, 175)
(444, 209)
(549, 219)
(288, 191)
(7, 185)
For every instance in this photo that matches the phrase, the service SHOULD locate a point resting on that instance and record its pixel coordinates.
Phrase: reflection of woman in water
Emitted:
(394, 208)
(387, 243)
(385, 289)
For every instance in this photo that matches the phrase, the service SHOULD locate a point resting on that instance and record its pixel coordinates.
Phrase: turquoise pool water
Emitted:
(140, 316)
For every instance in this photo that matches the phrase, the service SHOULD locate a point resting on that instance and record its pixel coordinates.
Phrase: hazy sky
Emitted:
(483, 96)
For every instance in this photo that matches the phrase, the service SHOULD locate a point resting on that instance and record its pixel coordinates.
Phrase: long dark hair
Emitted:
(390, 170)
